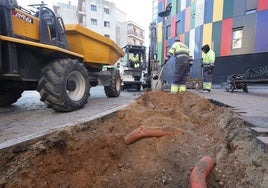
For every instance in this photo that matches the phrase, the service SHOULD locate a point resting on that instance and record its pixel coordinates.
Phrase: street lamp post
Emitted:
(163, 15)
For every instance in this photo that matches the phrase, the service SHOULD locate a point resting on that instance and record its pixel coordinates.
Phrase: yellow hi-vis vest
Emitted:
(179, 48)
(209, 58)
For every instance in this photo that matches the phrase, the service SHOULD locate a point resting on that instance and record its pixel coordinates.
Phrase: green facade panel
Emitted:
(159, 51)
(216, 36)
(187, 38)
(228, 8)
(174, 7)
(192, 15)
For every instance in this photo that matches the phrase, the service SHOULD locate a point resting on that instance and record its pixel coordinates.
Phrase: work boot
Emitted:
(205, 91)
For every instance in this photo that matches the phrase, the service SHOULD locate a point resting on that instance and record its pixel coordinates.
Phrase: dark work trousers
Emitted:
(207, 74)
(181, 70)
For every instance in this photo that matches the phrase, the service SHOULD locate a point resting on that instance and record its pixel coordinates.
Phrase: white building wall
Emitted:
(154, 10)
(67, 11)
(115, 19)
(118, 30)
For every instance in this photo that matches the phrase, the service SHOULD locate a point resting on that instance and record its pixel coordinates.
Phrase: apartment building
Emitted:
(104, 18)
(135, 34)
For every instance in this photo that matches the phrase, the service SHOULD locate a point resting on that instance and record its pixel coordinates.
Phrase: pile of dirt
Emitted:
(96, 155)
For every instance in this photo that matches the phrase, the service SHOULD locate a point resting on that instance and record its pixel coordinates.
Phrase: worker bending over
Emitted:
(181, 53)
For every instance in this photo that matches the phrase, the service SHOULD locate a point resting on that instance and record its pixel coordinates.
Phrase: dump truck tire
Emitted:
(9, 96)
(114, 89)
(64, 85)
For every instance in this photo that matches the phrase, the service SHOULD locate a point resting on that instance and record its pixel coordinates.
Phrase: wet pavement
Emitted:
(29, 118)
(251, 106)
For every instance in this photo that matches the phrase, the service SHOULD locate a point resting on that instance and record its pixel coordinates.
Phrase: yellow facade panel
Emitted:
(217, 10)
(159, 31)
(207, 33)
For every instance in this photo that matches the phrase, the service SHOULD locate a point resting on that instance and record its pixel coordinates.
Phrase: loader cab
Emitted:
(131, 74)
(132, 51)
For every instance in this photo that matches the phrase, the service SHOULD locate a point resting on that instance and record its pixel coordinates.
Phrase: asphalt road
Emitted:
(29, 117)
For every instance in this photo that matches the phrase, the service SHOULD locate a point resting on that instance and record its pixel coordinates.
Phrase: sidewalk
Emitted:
(252, 106)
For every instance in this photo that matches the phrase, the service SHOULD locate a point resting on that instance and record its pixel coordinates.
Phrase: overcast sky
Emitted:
(139, 11)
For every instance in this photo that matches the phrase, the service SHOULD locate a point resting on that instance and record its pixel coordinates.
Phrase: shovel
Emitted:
(159, 77)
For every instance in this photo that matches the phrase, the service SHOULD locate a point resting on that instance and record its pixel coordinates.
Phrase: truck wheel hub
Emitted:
(71, 85)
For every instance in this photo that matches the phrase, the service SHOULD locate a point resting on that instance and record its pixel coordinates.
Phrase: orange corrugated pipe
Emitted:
(200, 172)
(143, 132)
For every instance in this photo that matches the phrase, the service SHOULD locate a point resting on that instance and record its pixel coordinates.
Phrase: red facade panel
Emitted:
(173, 26)
(187, 19)
(226, 37)
(262, 5)
(165, 50)
(182, 38)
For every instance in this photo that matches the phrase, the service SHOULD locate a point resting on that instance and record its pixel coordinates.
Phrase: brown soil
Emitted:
(95, 154)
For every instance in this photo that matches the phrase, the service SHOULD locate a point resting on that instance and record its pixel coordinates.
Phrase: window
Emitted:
(94, 21)
(93, 8)
(141, 33)
(106, 24)
(177, 28)
(237, 38)
(106, 11)
(106, 35)
(168, 32)
(251, 11)
(134, 30)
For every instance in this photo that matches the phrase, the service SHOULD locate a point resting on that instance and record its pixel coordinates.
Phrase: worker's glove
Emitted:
(210, 69)
(136, 65)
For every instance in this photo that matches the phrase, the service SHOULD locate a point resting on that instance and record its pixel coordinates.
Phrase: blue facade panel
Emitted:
(160, 9)
(261, 42)
(208, 11)
(198, 42)
(188, 3)
(182, 22)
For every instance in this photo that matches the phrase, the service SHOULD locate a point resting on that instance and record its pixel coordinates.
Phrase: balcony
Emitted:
(136, 34)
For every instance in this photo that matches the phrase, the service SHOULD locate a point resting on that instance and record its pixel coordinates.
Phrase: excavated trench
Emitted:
(181, 130)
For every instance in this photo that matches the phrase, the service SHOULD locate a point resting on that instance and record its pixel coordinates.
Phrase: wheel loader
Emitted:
(62, 62)
(135, 77)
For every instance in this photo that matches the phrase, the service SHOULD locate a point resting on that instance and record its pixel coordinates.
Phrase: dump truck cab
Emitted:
(38, 52)
(133, 71)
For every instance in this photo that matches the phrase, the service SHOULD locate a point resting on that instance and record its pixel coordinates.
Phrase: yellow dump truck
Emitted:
(62, 62)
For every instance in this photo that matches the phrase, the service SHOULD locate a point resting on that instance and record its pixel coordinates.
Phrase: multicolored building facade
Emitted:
(237, 30)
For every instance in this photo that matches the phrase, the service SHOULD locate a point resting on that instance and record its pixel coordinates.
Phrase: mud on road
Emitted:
(95, 154)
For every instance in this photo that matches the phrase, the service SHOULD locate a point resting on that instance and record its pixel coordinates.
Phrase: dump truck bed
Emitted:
(94, 47)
